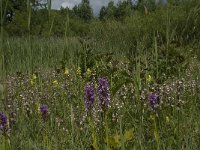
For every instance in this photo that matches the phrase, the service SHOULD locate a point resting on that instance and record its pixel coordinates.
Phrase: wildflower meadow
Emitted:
(128, 84)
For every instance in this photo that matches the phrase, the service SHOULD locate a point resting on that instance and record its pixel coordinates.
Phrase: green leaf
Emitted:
(129, 135)
(114, 141)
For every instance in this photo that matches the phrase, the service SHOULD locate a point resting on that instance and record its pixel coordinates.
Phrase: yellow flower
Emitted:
(32, 82)
(66, 71)
(34, 77)
(149, 78)
(55, 82)
(152, 117)
(167, 119)
(78, 71)
(38, 106)
(88, 72)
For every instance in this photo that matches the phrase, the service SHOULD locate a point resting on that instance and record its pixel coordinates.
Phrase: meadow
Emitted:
(131, 84)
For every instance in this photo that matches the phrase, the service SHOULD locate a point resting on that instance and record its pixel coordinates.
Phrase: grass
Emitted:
(136, 64)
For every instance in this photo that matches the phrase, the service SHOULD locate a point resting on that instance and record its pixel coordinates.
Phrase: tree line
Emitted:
(35, 17)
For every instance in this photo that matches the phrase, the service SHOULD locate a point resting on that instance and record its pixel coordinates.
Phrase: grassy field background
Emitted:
(151, 63)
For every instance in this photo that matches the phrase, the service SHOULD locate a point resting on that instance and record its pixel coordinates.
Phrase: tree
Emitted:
(108, 12)
(111, 10)
(124, 9)
(11, 6)
(84, 10)
(18, 13)
(149, 5)
(102, 13)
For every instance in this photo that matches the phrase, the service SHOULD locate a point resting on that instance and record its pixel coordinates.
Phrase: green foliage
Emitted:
(115, 140)
(174, 122)
(144, 53)
(16, 15)
(108, 13)
(150, 5)
(84, 10)
(181, 19)
(121, 11)
(10, 7)
(124, 9)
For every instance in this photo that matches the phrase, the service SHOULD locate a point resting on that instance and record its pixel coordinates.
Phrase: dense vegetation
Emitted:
(127, 79)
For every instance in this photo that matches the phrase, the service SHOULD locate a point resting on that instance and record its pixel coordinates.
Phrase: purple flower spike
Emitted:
(89, 95)
(44, 110)
(103, 92)
(153, 100)
(3, 121)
